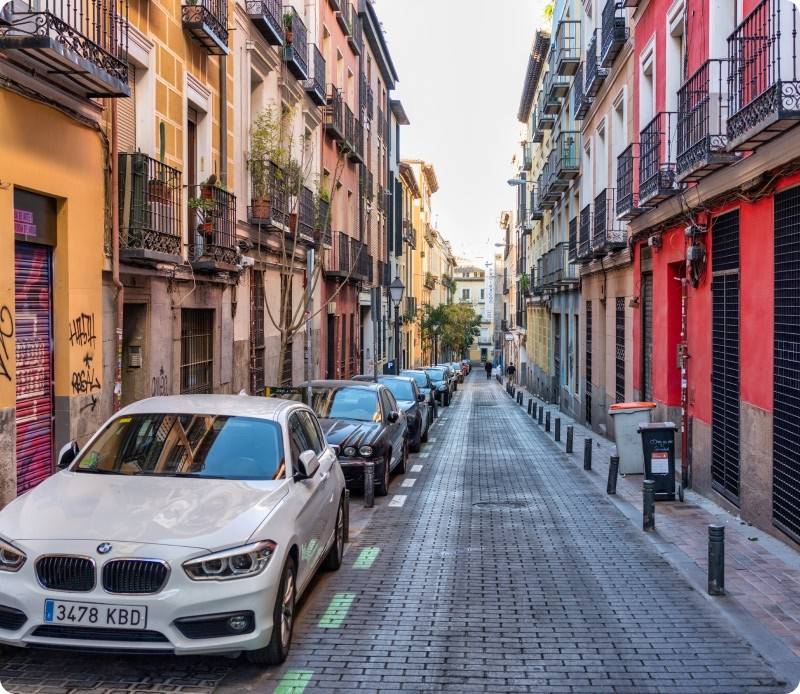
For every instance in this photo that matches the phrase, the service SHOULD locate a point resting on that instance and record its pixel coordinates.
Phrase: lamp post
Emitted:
(396, 289)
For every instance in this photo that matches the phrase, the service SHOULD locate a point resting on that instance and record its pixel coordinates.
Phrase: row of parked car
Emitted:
(191, 524)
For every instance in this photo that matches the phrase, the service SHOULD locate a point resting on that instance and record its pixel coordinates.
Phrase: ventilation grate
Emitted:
(620, 349)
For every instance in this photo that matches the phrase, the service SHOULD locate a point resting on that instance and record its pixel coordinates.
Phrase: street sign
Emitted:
(285, 393)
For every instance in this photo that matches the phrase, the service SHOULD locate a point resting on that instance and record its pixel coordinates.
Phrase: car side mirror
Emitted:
(393, 417)
(420, 397)
(67, 454)
(307, 464)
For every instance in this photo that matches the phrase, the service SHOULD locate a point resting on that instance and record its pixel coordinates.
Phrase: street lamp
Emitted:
(516, 182)
(396, 289)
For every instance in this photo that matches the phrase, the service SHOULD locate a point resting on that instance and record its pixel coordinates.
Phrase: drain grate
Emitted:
(500, 505)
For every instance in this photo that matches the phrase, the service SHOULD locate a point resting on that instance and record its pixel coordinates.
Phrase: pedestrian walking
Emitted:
(488, 367)
(511, 370)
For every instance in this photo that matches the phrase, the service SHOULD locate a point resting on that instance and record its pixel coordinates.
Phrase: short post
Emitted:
(547, 421)
(613, 469)
(346, 516)
(587, 453)
(569, 438)
(557, 435)
(716, 560)
(541, 415)
(530, 405)
(369, 485)
(648, 505)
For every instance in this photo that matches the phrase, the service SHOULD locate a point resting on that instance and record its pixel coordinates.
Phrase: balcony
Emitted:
(544, 200)
(580, 101)
(367, 184)
(555, 185)
(568, 47)
(556, 88)
(295, 52)
(609, 235)
(527, 156)
(583, 252)
(355, 37)
(534, 209)
(615, 32)
(207, 22)
(537, 288)
(306, 217)
(764, 81)
(384, 277)
(345, 258)
(353, 135)
(315, 84)
(80, 47)
(323, 222)
(409, 233)
(212, 229)
(267, 15)
(559, 272)
(343, 16)
(568, 159)
(150, 197)
(544, 119)
(573, 240)
(430, 281)
(365, 267)
(269, 207)
(595, 74)
(334, 114)
(657, 159)
(627, 196)
(410, 308)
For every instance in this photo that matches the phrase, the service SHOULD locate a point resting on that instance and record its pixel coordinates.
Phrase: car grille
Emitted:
(58, 631)
(134, 575)
(11, 619)
(66, 573)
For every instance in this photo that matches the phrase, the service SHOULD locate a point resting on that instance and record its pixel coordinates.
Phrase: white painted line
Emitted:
(431, 439)
(416, 468)
(424, 454)
(397, 501)
(408, 482)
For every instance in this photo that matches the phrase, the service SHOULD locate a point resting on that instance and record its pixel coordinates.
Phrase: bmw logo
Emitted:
(103, 548)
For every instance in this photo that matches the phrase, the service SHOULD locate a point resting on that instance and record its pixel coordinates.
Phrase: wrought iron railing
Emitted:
(315, 84)
(595, 74)
(305, 213)
(370, 102)
(355, 38)
(296, 50)
(555, 85)
(568, 158)
(212, 225)
(527, 156)
(584, 250)
(207, 21)
(534, 208)
(349, 127)
(268, 194)
(323, 222)
(544, 119)
(580, 100)
(573, 239)
(558, 269)
(150, 198)
(615, 32)
(334, 113)
(268, 17)
(609, 234)
(657, 157)
(338, 260)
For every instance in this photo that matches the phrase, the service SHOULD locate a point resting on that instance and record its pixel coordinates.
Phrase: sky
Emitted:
(461, 65)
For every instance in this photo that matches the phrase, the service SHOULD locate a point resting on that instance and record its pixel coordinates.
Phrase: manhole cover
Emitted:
(500, 505)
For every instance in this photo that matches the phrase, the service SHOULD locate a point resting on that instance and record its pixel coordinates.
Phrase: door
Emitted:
(330, 365)
(588, 385)
(34, 360)
(647, 336)
(327, 459)
(396, 430)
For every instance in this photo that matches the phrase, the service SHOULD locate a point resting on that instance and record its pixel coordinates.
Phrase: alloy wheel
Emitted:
(287, 610)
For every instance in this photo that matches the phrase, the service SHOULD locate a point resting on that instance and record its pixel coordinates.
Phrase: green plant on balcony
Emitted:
(288, 26)
(204, 209)
(524, 284)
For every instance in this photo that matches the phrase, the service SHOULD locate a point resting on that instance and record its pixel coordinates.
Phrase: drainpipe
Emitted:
(115, 255)
(223, 120)
(685, 472)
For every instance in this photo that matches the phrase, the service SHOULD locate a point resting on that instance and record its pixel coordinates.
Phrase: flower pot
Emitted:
(205, 228)
(261, 208)
(157, 189)
(293, 221)
(207, 192)
(289, 34)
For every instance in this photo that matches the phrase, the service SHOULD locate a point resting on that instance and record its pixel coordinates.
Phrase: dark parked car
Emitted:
(452, 377)
(364, 423)
(425, 385)
(441, 384)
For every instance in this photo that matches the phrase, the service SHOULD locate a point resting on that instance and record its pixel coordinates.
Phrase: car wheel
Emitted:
(334, 559)
(416, 444)
(424, 437)
(282, 621)
(383, 486)
(446, 399)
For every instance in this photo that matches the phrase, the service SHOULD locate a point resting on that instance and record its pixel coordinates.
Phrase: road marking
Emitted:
(337, 610)
(366, 558)
(424, 454)
(431, 439)
(294, 682)
(416, 468)
(408, 482)
(397, 500)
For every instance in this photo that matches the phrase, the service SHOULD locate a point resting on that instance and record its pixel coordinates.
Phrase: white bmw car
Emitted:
(187, 524)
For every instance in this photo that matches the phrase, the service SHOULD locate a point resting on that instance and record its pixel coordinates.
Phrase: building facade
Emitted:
(471, 288)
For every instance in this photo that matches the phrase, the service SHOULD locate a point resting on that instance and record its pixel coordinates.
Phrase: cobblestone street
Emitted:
(493, 565)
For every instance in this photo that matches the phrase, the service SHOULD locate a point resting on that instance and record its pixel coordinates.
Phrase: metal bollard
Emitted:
(346, 516)
(569, 438)
(547, 421)
(369, 485)
(716, 560)
(541, 415)
(530, 405)
(587, 453)
(613, 469)
(648, 505)
(557, 435)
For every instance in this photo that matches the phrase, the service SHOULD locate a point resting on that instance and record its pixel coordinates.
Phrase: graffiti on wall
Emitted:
(81, 331)
(6, 333)
(85, 380)
(160, 385)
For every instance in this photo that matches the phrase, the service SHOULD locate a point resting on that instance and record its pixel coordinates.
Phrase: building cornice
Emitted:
(541, 43)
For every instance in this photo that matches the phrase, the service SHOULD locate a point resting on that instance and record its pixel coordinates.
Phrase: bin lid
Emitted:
(631, 406)
(656, 426)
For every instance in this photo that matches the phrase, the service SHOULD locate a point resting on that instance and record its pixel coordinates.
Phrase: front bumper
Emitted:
(353, 470)
(179, 599)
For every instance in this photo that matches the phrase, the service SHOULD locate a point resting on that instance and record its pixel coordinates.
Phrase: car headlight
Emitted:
(11, 558)
(365, 451)
(238, 562)
(349, 451)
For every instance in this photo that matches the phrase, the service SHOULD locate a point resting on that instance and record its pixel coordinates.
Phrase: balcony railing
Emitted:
(568, 47)
(368, 184)
(410, 308)
(269, 200)
(306, 218)
(595, 74)
(764, 83)
(80, 46)
(295, 52)
(409, 233)
(615, 32)
(150, 198)
(558, 270)
(365, 268)
(346, 258)
(627, 194)
(384, 278)
(334, 114)
(573, 240)
(527, 156)
(609, 234)
(207, 22)
(315, 84)
(534, 209)
(657, 145)
(545, 120)
(536, 280)
(429, 281)
(267, 15)
(355, 37)
(343, 15)
(580, 100)
(555, 185)
(212, 228)
(323, 222)
(568, 149)
(584, 247)
(556, 86)
(702, 121)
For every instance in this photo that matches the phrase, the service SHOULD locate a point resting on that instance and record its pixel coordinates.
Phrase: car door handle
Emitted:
(324, 476)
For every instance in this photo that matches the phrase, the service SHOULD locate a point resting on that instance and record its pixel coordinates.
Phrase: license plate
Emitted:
(92, 614)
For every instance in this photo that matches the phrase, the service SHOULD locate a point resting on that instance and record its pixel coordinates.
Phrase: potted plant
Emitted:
(263, 136)
(260, 180)
(288, 26)
(525, 284)
(203, 207)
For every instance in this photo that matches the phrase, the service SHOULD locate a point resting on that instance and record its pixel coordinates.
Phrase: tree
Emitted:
(461, 327)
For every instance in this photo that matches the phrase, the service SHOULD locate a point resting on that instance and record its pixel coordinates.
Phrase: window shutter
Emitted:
(126, 116)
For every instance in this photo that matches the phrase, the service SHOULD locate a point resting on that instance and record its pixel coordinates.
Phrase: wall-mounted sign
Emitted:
(34, 217)
(23, 223)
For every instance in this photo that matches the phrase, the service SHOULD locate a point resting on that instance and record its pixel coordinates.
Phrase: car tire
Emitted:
(416, 444)
(446, 399)
(276, 651)
(424, 437)
(333, 560)
(382, 489)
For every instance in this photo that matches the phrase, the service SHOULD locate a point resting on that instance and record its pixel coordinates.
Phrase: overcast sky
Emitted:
(461, 65)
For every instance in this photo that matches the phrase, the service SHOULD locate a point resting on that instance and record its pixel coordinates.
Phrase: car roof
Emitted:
(342, 383)
(234, 405)
(396, 377)
(420, 370)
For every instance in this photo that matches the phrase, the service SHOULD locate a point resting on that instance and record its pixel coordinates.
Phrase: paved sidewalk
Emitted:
(762, 574)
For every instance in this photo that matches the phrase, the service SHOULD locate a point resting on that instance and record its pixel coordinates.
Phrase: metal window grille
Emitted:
(197, 350)
(620, 350)
(556, 355)
(588, 362)
(786, 413)
(257, 341)
(647, 336)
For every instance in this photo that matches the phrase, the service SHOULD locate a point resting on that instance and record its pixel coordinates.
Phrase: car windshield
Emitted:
(436, 374)
(360, 404)
(187, 445)
(402, 390)
(420, 378)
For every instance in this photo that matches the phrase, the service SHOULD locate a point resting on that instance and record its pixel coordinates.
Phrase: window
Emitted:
(483, 294)
(360, 404)
(402, 390)
(257, 341)
(674, 55)
(197, 351)
(465, 294)
(312, 433)
(389, 403)
(647, 85)
(298, 437)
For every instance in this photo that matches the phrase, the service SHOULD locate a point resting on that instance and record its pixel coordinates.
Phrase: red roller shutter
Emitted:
(33, 329)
